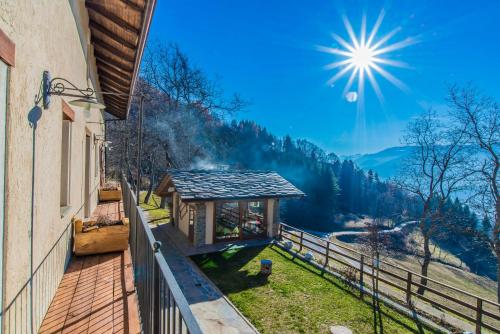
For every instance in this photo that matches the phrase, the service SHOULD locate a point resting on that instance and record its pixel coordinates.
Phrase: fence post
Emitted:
(361, 275)
(281, 231)
(327, 253)
(301, 238)
(408, 288)
(479, 313)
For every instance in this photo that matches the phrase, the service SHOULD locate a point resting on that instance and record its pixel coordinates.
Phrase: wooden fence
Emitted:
(401, 284)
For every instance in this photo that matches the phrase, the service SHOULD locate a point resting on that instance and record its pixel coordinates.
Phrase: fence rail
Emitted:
(162, 305)
(482, 313)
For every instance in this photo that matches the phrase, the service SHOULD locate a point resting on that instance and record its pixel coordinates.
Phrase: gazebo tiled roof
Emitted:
(204, 185)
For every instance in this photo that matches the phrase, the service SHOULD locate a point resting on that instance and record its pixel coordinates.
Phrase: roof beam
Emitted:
(115, 102)
(117, 71)
(99, 43)
(109, 82)
(123, 81)
(102, 11)
(111, 62)
(102, 29)
(132, 5)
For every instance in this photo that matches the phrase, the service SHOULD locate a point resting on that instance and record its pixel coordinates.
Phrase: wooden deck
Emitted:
(96, 294)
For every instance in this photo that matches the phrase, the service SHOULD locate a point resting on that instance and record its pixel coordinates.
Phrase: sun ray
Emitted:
(390, 62)
(363, 31)
(350, 31)
(395, 81)
(339, 75)
(335, 51)
(375, 28)
(343, 42)
(396, 46)
(387, 37)
(336, 64)
(375, 86)
(350, 82)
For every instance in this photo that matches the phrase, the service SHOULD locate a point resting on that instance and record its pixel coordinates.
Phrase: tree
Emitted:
(478, 116)
(432, 173)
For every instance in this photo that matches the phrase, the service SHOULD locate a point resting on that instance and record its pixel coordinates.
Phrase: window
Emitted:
(96, 157)
(65, 163)
(240, 220)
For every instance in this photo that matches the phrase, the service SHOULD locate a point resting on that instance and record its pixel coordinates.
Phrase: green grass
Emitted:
(152, 209)
(296, 298)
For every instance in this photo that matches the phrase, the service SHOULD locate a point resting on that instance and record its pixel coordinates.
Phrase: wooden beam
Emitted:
(133, 5)
(105, 72)
(115, 104)
(108, 82)
(102, 11)
(99, 43)
(7, 49)
(110, 61)
(117, 71)
(102, 29)
(117, 99)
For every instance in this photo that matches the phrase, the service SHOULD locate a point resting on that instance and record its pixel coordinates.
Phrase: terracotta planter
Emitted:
(110, 195)
(101, 240)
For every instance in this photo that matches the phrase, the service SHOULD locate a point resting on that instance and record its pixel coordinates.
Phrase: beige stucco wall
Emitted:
(209, 218)
(270, 216)
(46, 37)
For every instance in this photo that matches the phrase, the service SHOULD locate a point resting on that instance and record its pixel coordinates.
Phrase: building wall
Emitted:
(47, 37)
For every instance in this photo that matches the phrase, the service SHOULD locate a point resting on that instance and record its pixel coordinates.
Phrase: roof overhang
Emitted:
(119, 29)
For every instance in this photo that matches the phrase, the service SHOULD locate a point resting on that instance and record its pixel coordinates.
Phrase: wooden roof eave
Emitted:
(119, 29)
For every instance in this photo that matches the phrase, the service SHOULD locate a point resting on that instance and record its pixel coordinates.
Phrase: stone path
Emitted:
(213, 312)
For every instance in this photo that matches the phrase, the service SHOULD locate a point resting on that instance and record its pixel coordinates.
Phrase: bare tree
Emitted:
(479, 116)
(435, 170)
(375, 244)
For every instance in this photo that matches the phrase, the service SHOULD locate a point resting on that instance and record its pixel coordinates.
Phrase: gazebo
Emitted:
(210, 206)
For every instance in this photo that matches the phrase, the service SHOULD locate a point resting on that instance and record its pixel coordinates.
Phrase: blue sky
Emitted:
(266, 51)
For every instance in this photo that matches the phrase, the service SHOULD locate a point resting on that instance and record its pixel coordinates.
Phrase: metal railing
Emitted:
(45, 281)
(401, 284)
(163, 307)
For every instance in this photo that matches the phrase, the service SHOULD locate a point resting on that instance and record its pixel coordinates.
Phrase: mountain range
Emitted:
(386, 162)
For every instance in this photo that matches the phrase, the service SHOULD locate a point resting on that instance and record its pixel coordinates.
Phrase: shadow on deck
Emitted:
(96, 293)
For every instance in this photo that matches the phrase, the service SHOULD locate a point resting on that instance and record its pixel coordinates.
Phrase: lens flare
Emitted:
(365, 56)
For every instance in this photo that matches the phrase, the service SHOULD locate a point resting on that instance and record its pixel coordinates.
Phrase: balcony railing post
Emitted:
(156, 291)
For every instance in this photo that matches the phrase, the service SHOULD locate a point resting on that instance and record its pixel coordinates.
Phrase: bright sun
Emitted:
(363, 57)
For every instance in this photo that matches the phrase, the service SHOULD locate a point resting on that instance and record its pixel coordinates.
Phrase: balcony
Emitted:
(123, 292)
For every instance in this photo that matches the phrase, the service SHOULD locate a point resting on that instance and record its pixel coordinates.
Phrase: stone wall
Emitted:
(200, 225)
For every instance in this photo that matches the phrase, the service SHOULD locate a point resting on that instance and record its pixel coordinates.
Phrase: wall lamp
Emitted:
(86, 98)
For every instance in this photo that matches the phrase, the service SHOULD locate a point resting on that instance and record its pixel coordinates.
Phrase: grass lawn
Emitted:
(152, 209)
(296, 298)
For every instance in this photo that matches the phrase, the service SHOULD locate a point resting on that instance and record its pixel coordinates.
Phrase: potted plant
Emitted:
(101, 236)
(110, 191)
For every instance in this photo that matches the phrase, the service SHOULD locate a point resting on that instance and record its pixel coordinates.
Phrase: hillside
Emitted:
(385, 163)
